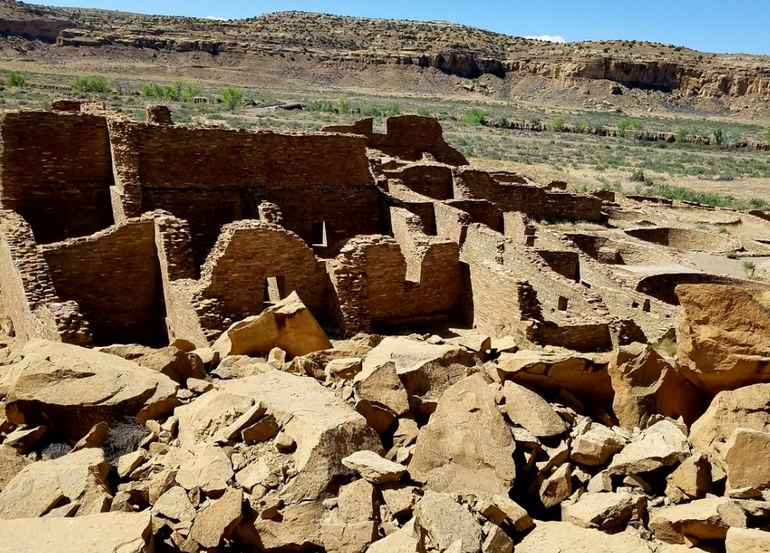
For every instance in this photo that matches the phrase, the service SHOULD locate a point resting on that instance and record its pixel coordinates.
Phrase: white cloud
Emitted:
(548, 38)
(215, 18)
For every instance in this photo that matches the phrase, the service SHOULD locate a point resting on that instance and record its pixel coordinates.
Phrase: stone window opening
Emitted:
(274, 290)
(319, 234)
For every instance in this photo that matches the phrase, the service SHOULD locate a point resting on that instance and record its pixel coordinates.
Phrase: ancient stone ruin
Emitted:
(354, 341)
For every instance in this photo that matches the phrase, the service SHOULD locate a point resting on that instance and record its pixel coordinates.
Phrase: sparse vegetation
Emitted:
(93, 84)
(16, 79)
(175, 92)
(749, 267)
(732, 254)
(231, 97)
(556, 125)
(683, 194)
(475, 117)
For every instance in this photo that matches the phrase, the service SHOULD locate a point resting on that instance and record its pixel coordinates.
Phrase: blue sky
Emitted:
(708, 25)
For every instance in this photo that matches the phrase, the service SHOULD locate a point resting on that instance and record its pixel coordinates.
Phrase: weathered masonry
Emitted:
(114, 230)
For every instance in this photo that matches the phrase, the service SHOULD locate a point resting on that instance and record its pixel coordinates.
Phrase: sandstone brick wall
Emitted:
(566, 263)
(481, 211)
(411, 136)
(214, 176)
(377, 287)
(29, 296)
(407, 137)
(431, 180)
(115, 277)
(532, 200)
(56, 170)
(246, 254)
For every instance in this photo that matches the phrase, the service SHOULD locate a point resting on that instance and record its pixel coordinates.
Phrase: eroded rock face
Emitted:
(700, 520)
(558, 537)
(77, 482)
(288, 325)
(71, 389)
(747, 407)
(724, 335)
(746, 453)
(441, 522)
(584, 375)
(645, 385)
(97, 533)
(466, 446)
(663, 444)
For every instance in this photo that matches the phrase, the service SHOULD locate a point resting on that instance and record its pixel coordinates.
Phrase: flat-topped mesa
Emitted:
(114, 230)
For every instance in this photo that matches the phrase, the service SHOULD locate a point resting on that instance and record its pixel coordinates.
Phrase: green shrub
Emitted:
(719, 137)
(623, 126)
(682, 133)
(425, 112)
(90, 84)
(758, 203)
(749, 267)
(175, 92)
(368, 110)
(392, 110)
(732, 255)
(581, 127)
(321, 106)
(475, 117)
(344, 107)
(556, 125)
(232, 97)
(16, 79)
(637, 175)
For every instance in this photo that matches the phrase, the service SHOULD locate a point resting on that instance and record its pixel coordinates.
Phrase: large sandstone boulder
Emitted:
(324, 428)
(77, 481)
(554, 369)
(11, 463)
(645, 384)
(747, 407)
(426, 370)
(700, 520)
(317, 431)
(288, 325)
(662, 444)
(741, 540)
(526, 408)
(724, 335)
(466, 446)
(176, 364)
(99, 533)
(560, 537)
(609, 512)
(441, 522)
(70, 389)
(746, 455)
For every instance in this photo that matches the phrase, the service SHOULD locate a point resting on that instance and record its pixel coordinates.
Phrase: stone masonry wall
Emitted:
(115, 277)
(214, 176)
(246, 254)
(56, 171)
(29, 296)
(534, 201)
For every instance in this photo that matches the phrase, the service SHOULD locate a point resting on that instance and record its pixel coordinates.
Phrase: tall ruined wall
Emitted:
(432, 180)
(377, 286)
(532, 200)
(407, 137)
(29, 296)
(115, 277)
(56, 170)
(246, 254)
(215, 176)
